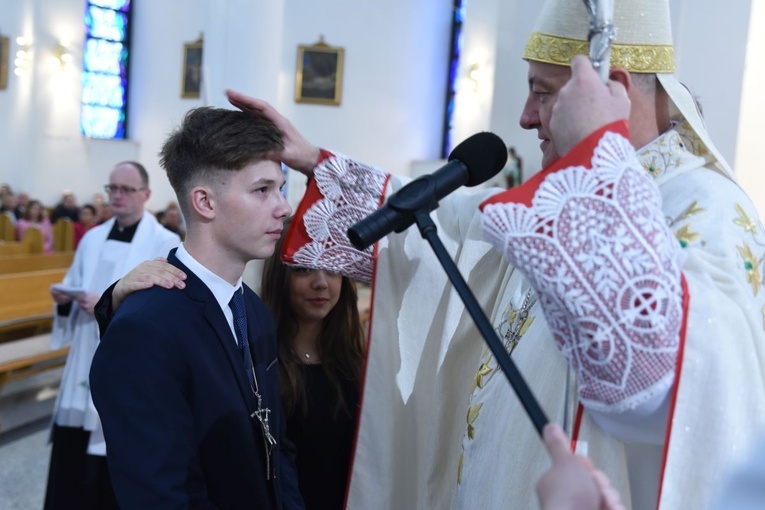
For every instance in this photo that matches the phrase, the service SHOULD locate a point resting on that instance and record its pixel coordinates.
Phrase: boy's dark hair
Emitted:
(213, 140)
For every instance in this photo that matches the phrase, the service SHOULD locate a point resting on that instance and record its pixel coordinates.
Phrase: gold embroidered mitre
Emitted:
(642, 44)
(643, 41)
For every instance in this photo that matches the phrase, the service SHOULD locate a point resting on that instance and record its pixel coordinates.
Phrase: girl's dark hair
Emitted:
(91, 208)
(28, 211)
(341, 343)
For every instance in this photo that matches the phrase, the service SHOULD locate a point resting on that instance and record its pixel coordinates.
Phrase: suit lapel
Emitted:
(259, 356)
(198, 292)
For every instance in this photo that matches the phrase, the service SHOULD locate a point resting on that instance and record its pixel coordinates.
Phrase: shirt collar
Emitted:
(220, 288)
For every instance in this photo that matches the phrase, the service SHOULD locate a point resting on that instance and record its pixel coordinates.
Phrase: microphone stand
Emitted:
(429, 232)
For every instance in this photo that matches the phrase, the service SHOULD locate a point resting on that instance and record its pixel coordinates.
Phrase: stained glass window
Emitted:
(105, 69)
(455, 52)
(116, 5)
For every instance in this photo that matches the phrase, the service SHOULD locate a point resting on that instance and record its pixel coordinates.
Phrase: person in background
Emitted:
(66, 208)
(8, 207)
(86, 221)
(172, 219)
(78, 476)
(36, 217)
(22, 202)
(513, 170)
(103, 213)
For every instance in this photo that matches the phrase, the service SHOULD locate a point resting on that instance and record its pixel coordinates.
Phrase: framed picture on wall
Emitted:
(319, 76)
(4, 50)
(191, 80)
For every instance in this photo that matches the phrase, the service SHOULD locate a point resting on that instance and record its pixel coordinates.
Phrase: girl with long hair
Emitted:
(321, 356)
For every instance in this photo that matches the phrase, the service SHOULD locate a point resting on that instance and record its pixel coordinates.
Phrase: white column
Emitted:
(749, 165)
(243, 49)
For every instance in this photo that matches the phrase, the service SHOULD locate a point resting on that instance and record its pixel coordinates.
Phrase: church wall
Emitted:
(393, 88)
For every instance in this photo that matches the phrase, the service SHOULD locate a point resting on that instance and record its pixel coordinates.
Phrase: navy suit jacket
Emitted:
(169, 386)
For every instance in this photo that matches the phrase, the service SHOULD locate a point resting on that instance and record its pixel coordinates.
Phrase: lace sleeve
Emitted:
(347, 192)
(595, 245)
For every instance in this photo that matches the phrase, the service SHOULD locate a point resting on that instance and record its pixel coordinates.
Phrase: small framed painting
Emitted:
(191, 81)
(4, 49)
(319, 76)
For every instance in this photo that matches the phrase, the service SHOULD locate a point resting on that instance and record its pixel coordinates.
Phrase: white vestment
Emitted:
(439, 425)
(98, 263)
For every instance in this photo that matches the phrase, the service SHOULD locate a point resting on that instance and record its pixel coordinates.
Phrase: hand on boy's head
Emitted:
(584, 104)
(147, 274)
(298, 153)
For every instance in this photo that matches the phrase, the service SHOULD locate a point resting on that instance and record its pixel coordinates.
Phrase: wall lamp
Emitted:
(62, 54)
(23, 60)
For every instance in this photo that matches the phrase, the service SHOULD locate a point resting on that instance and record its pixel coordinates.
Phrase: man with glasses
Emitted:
(78, 476)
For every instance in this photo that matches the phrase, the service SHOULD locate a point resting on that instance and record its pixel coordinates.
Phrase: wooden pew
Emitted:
(29, 356)
(33, 236)
(7, 228)
(35, 262)
(63, 235)
(14, 248)
(26, 306)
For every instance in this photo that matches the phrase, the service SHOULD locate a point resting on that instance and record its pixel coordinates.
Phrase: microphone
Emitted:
(472, 162)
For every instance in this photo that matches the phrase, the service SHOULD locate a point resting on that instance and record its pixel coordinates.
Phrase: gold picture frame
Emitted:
(191, 79)
(4, 51)
(319, 77)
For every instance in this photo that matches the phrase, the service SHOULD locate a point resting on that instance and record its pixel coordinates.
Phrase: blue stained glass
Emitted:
(105, 56)
(106, 24)
(103, 89)
(459, 11)
(102, 122)
(459, 8)
(118, 5)
(105, 62)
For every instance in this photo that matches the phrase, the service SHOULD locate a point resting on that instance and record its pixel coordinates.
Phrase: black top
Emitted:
(64, 212)
(324, 440)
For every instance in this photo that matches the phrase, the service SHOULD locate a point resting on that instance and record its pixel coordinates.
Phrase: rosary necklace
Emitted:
(261, 414)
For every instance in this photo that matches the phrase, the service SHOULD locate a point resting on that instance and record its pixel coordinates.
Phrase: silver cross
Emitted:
(261, 414)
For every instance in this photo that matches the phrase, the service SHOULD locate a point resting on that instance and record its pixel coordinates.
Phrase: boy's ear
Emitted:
(203, 202)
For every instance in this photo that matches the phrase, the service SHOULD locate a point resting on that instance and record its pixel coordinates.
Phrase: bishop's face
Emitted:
(545, 80)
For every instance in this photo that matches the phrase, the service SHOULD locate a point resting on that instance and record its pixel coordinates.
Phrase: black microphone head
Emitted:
(484, 154)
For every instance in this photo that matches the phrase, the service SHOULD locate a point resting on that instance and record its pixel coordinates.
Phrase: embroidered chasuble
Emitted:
(440, 426)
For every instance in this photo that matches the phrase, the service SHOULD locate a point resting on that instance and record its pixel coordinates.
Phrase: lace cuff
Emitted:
(341, 193)
(594, 244)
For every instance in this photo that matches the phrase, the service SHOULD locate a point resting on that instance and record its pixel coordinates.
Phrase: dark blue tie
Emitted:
(240, 326)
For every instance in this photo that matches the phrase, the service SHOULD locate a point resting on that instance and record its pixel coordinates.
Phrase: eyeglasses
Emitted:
(125, 190)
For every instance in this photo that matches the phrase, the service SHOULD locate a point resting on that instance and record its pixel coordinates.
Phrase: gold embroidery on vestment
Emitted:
(685, 236)
(751, 266)
(743, 220)
(515, 322)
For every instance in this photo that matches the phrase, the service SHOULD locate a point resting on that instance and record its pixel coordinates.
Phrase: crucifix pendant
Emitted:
(261, 414)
